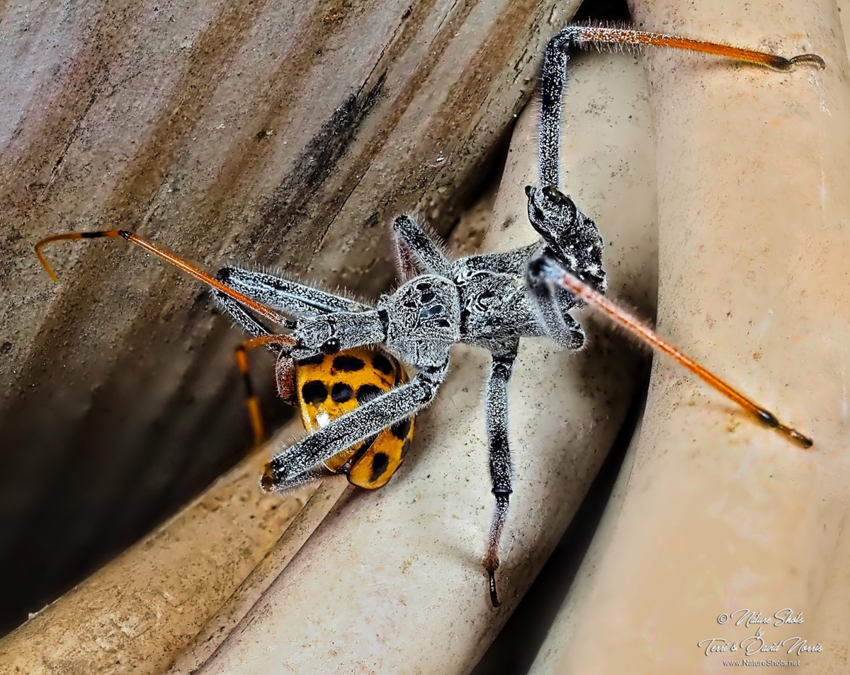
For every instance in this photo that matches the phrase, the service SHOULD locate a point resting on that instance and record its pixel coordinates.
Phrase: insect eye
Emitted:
(330, 346)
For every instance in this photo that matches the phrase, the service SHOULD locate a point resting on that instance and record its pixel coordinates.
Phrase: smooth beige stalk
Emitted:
(392, 582)
(754, 211)
(208, 640)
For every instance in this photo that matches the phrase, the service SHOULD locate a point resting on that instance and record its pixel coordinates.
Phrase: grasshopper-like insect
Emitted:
(488, 300)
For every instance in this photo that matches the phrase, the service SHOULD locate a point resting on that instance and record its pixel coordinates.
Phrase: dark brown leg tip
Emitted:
(814, 59)
(804, 441)
(267, 481)
(494, 596)
(491, 564)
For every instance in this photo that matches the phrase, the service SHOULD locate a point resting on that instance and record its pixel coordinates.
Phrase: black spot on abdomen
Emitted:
(382, 363)
(367, 392)
(380, 462)
(314, 392)
(401, 429)
(348, 364)
(341, 392)
(311, 360)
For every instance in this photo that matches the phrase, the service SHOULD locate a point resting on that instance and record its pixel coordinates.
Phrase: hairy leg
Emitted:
(288, 296)
(496, 410)
(361, 423)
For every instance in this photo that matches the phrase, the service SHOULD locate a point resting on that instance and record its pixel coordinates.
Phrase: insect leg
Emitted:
(554, 75)
(288, 296)
(246, 322)
(368, 419)
(277, 344)
(416, 250)
(572, 235)
(496, 410)
(285, 375)
(553, 303)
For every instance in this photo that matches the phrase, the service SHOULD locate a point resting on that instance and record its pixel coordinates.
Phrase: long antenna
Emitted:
(556, 274)
(168, 256)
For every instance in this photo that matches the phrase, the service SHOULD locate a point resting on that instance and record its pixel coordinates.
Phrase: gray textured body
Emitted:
(490, 300)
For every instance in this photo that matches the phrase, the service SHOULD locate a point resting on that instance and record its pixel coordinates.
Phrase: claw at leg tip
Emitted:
(808, 58)
(494, 596)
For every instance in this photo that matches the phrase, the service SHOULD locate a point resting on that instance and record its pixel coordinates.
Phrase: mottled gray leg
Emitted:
(553, 79)
(286, 295)
(417, 250)
(361, 423)
(571, 235)
(496, 411)
(553, 303)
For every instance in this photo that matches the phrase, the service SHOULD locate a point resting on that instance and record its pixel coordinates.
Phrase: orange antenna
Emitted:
(166, 255)
(638, 328)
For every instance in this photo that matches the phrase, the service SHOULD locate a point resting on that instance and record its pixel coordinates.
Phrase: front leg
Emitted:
(245, 321)
(572, 237)
(417, 249)
(365, 421)
(287, 295)
(496, 412)
(553, 303)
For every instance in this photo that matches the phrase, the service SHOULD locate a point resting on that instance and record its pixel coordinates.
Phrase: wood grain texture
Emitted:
(276, 134)
(136, 613)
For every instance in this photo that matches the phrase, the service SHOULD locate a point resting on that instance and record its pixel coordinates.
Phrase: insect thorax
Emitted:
(494, 299)
(423, 320)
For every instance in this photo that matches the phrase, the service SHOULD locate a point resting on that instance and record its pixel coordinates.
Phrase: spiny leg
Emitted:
(554, 76)
(416, 250)
(547, 270)
(286, 295)
(496, 412)
(365, 421)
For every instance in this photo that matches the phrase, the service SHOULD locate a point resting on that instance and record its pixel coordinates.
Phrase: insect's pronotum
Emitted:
(488, 300)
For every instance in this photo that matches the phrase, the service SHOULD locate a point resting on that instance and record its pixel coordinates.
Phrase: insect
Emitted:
(487, 300)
